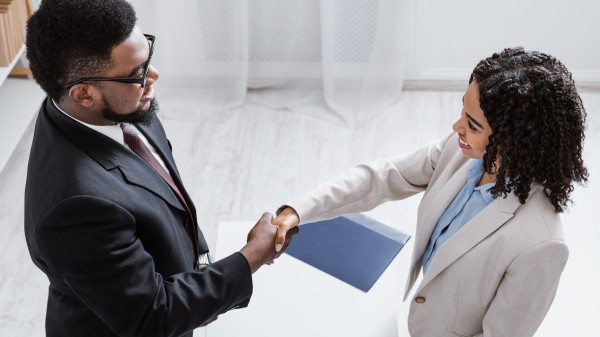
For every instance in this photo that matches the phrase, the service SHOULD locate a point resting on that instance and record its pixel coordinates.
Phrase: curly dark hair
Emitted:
(68, 40)
(537, 120)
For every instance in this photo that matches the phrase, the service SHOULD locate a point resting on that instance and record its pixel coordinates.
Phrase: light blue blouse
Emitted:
(468, 202)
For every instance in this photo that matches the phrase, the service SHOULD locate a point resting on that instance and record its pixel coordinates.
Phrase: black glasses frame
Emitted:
(141, 80)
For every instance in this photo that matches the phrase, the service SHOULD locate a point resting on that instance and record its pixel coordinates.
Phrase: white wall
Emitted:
(448, 38)
(176, 27)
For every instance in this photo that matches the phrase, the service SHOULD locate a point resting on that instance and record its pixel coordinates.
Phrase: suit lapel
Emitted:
(472, 233)
(111, 154)
(440, 200)
(156, 136)
(138, 172)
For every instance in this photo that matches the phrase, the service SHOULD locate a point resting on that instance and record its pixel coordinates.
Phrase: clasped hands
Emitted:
(269, 238)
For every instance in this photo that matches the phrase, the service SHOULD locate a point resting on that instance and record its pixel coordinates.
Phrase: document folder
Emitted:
(353, 248)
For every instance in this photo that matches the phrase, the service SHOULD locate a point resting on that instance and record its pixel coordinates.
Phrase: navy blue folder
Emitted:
(353, 248)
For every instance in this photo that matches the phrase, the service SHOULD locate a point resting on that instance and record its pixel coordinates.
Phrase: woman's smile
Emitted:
(463, 144)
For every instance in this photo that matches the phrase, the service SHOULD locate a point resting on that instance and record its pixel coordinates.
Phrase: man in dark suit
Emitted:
(107, 217)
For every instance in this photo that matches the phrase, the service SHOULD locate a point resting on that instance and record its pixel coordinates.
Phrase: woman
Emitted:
(489, 238)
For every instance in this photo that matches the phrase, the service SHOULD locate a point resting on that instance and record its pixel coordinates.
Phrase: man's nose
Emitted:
(153, 75)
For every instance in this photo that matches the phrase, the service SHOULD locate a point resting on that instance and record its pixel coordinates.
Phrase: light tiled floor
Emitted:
(240, 166)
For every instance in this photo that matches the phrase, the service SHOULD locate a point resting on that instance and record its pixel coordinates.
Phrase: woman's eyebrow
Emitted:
(473, 120)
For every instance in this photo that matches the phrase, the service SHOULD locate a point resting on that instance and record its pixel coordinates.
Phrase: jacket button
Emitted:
(420, 299)
(187, 223)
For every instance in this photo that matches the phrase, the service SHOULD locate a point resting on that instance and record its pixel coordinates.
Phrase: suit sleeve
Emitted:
(526, 291)
(366, 186)
(90, 246)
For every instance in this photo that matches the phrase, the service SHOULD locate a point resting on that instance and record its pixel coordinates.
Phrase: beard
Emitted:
(139, 116)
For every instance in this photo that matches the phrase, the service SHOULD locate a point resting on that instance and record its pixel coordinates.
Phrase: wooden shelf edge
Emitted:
(20, 72)
(5, 71)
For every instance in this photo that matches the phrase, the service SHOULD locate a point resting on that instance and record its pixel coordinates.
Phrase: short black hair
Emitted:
(538, 121)
(71, 39)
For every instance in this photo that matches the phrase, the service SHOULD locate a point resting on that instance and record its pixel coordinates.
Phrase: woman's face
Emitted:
(472, 126)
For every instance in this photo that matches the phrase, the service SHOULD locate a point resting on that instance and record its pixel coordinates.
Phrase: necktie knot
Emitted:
(128, 131)
(131, 138)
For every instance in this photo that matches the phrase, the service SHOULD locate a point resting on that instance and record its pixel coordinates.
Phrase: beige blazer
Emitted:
(497, 276)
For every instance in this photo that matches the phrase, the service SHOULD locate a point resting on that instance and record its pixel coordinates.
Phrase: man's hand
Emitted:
(287, 219)
(260, 248)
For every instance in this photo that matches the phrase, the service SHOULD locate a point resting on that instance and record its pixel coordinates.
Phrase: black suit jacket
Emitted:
(114, 240)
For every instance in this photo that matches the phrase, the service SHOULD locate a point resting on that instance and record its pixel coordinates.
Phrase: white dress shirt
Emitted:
(115, 133)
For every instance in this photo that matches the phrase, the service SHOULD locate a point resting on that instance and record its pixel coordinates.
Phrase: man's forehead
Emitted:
(132, 52)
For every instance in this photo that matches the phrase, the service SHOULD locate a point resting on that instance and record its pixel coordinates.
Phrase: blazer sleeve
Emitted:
(526, 292)
(91, 248)
(366, 186)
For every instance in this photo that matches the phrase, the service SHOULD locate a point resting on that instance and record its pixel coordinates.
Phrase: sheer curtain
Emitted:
(341, 60)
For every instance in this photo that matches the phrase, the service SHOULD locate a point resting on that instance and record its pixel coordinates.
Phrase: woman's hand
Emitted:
(287, 219)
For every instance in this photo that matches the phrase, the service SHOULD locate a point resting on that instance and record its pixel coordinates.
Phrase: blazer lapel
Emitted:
(138, 172)
(111, 154)
(433, 209)
(472, 233)
(440, 200)
(156, 136)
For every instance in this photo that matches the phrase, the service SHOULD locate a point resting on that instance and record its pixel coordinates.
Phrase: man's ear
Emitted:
(83, 94)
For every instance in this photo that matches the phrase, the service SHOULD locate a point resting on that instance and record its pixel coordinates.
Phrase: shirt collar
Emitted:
(474, 175)
(113, 132)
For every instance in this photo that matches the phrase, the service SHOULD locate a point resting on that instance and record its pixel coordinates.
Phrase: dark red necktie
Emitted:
(137, 145)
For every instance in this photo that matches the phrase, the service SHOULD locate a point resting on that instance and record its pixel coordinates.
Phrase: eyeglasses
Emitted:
(140, 80)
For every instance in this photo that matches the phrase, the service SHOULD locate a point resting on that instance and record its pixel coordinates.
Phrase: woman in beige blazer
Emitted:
(489, 235)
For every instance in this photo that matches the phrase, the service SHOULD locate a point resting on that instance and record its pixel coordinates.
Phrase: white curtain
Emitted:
(341, 60)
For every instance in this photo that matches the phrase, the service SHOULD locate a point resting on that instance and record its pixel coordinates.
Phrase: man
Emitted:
(106, 215)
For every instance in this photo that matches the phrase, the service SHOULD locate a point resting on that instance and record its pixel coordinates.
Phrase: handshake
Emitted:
(269, 238)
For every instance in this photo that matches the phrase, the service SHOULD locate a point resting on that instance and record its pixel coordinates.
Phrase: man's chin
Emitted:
(143, 117)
